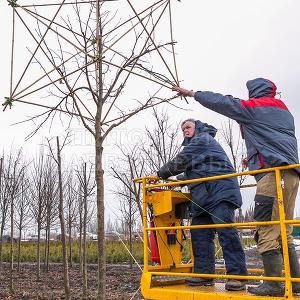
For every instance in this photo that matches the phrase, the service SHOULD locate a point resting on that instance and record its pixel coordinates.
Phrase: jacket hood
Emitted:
(200, 128)
(261, 87)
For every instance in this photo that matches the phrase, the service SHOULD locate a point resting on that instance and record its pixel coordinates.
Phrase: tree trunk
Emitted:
(62, 225)
(70, 243)
(38, 256)
(130, 230)
(11, 283)
(100, 218)
(80, 236)
(45, 248)
(98, 161)
(48, 243)
(19, 241)
(84, 258)
(1, 243)
(3, 213)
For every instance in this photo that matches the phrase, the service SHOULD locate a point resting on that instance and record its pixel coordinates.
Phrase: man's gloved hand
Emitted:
(173, 178)
(181, 177)
(183, 92)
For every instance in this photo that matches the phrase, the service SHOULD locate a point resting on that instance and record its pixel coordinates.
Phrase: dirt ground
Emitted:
(122, 283)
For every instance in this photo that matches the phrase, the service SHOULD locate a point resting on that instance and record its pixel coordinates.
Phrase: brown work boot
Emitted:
(235, 285)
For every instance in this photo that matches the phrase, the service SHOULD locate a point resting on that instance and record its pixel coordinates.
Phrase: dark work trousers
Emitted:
(204, 247)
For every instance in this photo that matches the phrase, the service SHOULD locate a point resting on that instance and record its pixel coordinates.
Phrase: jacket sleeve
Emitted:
(181, 177)
(173, 167)
(225, 105)
(184, 158)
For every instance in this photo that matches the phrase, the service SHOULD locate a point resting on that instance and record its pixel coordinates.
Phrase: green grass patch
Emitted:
(115, 252)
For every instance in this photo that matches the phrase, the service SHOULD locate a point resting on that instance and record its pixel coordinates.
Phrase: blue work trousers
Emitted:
(204, 246)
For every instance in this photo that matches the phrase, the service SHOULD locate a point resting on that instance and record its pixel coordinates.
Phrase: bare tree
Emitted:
(161, 146)
(234, 143)
(51, 202)
(4, 206)
(8, 192)
(72, 212)
(237, 153)
(86, 189)
(13, 174)
(163, 142)
(130, 166)
(80, 229)
(57, 159)
(249, 214)
(22, 211)
(130, 216)
(38, 205)
(88, 73)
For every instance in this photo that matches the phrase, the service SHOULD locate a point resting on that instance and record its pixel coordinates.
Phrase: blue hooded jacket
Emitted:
(203, 156)
(266, 123)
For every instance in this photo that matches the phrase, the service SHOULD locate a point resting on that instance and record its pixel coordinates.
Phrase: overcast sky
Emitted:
(221, 44)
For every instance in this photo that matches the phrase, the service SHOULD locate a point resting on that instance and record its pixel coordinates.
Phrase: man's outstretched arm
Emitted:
(225, 105)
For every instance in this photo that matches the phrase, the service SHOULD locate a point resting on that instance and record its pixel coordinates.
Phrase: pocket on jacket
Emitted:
(198, 190)
(263, 208)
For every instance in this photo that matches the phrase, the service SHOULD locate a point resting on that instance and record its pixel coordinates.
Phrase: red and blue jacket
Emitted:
(267, 125)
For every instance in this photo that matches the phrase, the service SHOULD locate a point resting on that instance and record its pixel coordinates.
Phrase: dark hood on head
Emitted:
(261, 87)
(200, 128)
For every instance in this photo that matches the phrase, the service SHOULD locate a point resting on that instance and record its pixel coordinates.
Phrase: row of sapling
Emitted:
(11, 175)
(31, 198)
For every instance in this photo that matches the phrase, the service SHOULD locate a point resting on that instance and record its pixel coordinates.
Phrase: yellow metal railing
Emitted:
(147, 184)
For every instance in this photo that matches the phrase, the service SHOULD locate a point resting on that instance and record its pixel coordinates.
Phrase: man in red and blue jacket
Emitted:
(268, 129)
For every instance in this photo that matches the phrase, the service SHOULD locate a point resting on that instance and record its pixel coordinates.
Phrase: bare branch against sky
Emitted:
(84, 57)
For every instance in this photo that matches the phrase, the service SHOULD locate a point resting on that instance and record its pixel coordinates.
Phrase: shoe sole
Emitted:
(235, 288)
(200, 284)
(266, 294)
(273, 295)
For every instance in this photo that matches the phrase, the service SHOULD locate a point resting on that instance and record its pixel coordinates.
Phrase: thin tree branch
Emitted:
(44, 35)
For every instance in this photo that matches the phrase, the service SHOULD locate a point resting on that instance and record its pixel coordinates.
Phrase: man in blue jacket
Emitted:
(213, 202)
(268, 129)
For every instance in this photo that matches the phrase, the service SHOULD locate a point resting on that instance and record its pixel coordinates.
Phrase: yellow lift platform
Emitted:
(165, 279)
